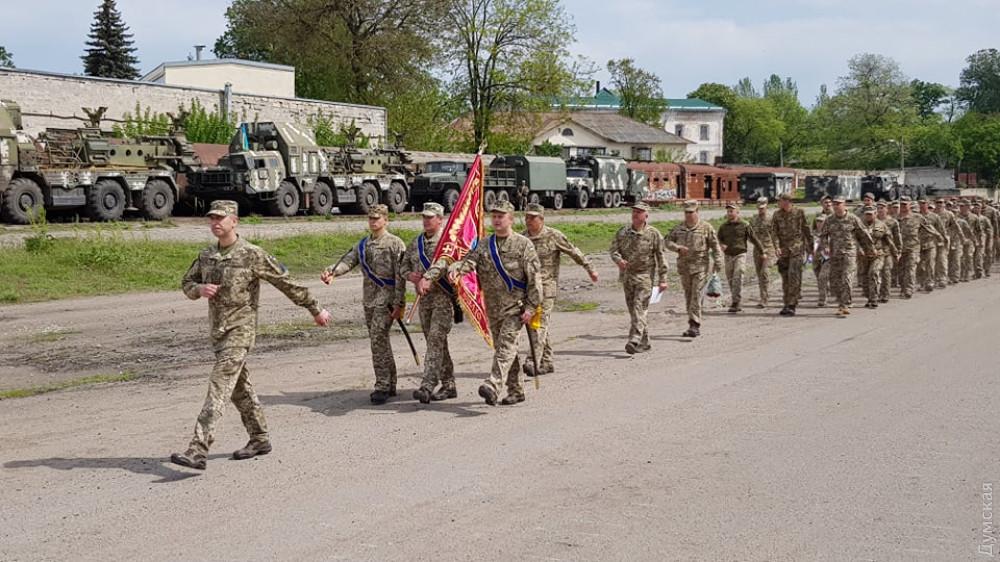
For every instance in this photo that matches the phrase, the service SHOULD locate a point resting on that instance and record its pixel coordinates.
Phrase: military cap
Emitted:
(761, 202)
(377, 211)
(502, 207)
(825, 198)
(690, 206)
(534, 209)
(432, 209)
(839, 199)
(785, 197)
(894, 203)
(931, 205)
(732, 205)
(868, 195)
(869, 210)
(642, 206)
(881, 204)
(223, 208)
(905, 199)
(963, 202)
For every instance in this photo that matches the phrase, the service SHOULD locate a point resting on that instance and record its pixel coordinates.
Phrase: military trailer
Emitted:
(818, 187)
(882, 187)
(754, 185)
(278, 168)
(544, 177)
(84, 168)
(638, 186)
(441, 181)
(596, 181)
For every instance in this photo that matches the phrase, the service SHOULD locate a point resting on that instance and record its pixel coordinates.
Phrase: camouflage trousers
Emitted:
(638, 288)
(383, 362)
(763, 274)
(908, 262)
(821, 267)
(540, 337)
(977, 261)
(843, 270)
(925, 271)
(941, 267)
(230, 380)
(955, 257)
(437, 315)
(505, 372)
(988, 257)
(693, 277)
(885, 281)
(870, 274)
(735, 267)
(790, 268)
(968, 261)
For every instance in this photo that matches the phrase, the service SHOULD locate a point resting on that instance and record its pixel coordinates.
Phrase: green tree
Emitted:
(745, 88)
(979, 86)
(712, 92)
(783, 96)
(936, 144)
(928, 97)
(6, 58)
(110, 50)
(639, 91)
(980, 137)
(753, 132)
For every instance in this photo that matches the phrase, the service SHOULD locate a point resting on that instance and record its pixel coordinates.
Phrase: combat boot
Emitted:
(785, 312)
(528, 368)
(445, 393)
(643, 348)
(631, 347)
(693, 330)
(488, 394)
(252, 449)
(379, 396)
(423, 395)
(512, 398)
(190, 459)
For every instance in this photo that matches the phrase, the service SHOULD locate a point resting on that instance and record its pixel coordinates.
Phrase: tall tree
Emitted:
(110, 52)
(979, 86)
(6, 58)
(745, 88)
(712, 92)
(639, 91)
(928, 96)
(507, 54)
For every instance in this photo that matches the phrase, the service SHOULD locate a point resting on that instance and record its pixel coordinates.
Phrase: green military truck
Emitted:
(84, 168)
(597, 181)
(440, 181)
(278, 168)
(543, 177)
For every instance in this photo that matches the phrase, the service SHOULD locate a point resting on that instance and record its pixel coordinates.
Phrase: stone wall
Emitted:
(44, 97)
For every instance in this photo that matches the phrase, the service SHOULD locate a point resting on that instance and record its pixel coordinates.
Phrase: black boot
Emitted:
(488, 394)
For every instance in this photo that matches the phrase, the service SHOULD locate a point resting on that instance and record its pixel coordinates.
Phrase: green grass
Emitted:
(51, 335)
(63, 385)
(572, 306)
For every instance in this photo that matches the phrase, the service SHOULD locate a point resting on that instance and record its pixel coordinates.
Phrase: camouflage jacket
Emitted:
(699, 240)
(518, 260)
(844, 235)
(882, 236)
(550, 244)
(383, 260)
(951, 230)
(737, 237)
(762, 228)
(927, 239)
(815, 223)
(911, 228)
(976, 228)
(986, 225)
(897, 237)
(968, 234)
(232, 312)
(790, 232)
(643, 250)
(413, 264)
(994, 217)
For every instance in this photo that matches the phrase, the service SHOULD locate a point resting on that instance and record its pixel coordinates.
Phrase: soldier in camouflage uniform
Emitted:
(956, 241)
(735, 235)
(977, 241)
(380, 255)
(930, 245)
(693, 240)
(436, 309)
(965, 220)
(912, 228)
(888, 260)
(761, 225)
(986, 255)
(870, 268)
(228, 274)
(550, 245)
(792, 241)
(637, 250)
(844, 232)
(819, 257)
(893, 212)
(510, 277)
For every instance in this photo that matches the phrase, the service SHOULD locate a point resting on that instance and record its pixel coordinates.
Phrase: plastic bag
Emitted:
(714, 288)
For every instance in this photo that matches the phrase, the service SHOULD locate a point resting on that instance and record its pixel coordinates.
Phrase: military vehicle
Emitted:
(596, 181)
(882, 186)
(819, 186)
(279, 168)
(441, 181)
(754, 185)
(638, 186)
(543, 176)
(86, 168)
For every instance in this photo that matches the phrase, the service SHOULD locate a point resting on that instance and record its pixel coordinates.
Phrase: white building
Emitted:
(246, 77)
(607, 132)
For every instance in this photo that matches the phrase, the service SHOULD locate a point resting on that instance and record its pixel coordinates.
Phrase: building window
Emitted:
(643, 153)
(703, 157)
(704, 133)
(567, 132)
(679, 130)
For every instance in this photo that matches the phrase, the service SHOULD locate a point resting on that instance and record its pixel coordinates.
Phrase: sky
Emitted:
(684, 42)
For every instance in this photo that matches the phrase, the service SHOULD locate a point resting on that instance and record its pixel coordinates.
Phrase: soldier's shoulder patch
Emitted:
(274, 264)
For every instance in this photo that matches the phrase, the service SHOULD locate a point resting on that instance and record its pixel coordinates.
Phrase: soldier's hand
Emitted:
(682, 250)
(423, 286)
(623, 265)
(326, 276)
(323, 318)
(526, 316)
(453, 277)
(413, 277)
(396, 313)
(593, 277)
(662, 287)
(208, 290)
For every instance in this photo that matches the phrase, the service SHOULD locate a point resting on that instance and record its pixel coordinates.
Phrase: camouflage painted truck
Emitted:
(597, 181)
(85, 168)
(278, 168)
(440, 181)
(544, 177)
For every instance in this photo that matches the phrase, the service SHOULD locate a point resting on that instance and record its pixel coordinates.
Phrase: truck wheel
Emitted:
(607, 200)
(557, 201)
(534, 199)
(106, 201)
(503, 196)
(489, 199)
(322, 199)
(617, 199)
(582, 199)
(22, 202)
(367, 198)
(450, 199)
(157, 200)
(396, 197)
(286, 202)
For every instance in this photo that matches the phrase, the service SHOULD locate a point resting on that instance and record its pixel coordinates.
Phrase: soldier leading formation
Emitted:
(879, 247)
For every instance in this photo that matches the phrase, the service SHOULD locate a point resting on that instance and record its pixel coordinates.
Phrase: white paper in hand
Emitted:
(655, 296)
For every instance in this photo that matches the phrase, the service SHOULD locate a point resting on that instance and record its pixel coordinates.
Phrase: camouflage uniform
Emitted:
(986, 224)
(821, 255)
(643, 250)
(232, 312)
(437, 315)
(968, 248)
(911, 229)
(889, 262)
(948, 255)
(979, 233)
(736, 236)
(931, 240)
(550, 245)
(994, 219)
(504, 305)
(383, 257)
(791, 235)
(844, 234)
(700, 240)
(871, 268)
(762, 228)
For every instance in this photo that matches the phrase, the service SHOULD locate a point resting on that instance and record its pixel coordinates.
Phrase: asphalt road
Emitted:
(767, 439)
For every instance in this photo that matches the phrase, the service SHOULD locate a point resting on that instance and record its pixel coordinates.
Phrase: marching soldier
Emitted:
(986, 225)
(871, 267)
(948, 258)
(550, 245)
(913, 228)
(693, 240)
(228, 274)
(637, 250)
(893, 212)
(792, 240)
(380, 255)
(509, 276)
(930, 245)
(888, 260)
(761, 224)
(844, 232)
(735, 235)
(819, 257)
(965, 220)
(437, 309)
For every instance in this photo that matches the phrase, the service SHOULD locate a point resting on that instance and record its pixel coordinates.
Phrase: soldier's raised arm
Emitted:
(192, 279)
(267, 268)
(565, 246)
(349, 261)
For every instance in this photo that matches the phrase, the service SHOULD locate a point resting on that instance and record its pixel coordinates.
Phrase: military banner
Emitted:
(461, 234)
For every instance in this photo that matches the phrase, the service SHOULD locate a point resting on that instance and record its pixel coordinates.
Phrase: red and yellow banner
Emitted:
(461, 233)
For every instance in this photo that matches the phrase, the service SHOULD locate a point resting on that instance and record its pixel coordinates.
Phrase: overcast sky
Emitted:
(685, 42)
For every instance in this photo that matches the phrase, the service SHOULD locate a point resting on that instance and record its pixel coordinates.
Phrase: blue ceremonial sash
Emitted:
(507, 279)
(368, 270)
(427, 265)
